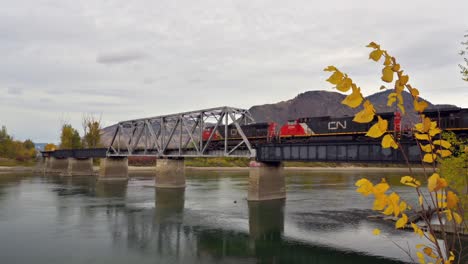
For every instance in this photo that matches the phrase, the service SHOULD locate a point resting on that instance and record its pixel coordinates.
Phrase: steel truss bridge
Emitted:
(181, 135)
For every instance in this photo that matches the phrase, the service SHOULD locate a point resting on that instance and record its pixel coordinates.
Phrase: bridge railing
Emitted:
(76, 153)
(366, 152)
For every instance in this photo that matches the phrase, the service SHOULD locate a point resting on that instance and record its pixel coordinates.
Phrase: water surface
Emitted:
(52, 219)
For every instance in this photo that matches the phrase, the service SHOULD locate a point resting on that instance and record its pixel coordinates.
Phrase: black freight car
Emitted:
(342, 125)
(257, 130)
(450, 119)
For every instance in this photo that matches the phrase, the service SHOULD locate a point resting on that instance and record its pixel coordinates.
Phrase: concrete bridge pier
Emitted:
(113, 168)
(80, 166)
(266, 181)
(56, 165)
(170, 173)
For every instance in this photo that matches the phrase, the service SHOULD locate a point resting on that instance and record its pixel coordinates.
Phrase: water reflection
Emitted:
(124, 222)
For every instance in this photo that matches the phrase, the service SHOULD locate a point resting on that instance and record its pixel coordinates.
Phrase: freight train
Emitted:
(330, 129)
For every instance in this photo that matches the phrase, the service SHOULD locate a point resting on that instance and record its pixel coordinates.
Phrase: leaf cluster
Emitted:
(442, 201)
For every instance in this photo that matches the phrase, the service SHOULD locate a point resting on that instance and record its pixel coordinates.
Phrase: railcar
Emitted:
(450, 119)
(330, 128)
(257, 133)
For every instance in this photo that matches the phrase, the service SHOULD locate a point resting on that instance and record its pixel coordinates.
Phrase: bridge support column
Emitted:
(56, 165)
(266, 181)
(170, 173)
(113, 168)
(80, 167)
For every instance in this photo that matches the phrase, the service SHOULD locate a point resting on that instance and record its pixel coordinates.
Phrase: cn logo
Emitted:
(334, 125)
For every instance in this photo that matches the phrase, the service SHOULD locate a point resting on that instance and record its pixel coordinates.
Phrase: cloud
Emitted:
(175, 56)
(120, 57)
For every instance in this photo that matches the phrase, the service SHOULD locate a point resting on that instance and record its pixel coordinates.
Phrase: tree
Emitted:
(70, 138)
(28, 144)
(92, 131)
(50, 147)
(437, 198)
(463, 53)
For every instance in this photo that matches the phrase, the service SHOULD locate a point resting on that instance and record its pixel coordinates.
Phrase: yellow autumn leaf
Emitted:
(448, 215)
(426, 148)
(435, 183)
(403, 206)
(452, 200)
(429, 158)
(388, 210)
(414, 92)
(365, 187)
(345, 85)
(421, 258)
(376, 54)
(444, 152)
(417, 230)
(420, 106)
(434, 131)
(421, 136)
(373, 45)
(387, 74)
(388, 60)
(388, 141)
(393, 200)
(378, 129)
(420, 200)
(354, 99)
(419, 127)
(429, 253)
(418, 246)
(404, 79)
(366, 115)
(410, 181)
(376, 232)
(380, 202)
(432, 238)
(442, 143)
(396, 67)
(391, 99)
(336, 77)
(330, 68)
(426, 124)
(441, 204)
(381, 188)
(400, 223)
(458, 219)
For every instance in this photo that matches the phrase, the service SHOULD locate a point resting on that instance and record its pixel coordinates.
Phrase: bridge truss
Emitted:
(202, 133)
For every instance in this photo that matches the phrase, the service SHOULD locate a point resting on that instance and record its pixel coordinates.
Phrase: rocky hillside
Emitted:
(325, 103)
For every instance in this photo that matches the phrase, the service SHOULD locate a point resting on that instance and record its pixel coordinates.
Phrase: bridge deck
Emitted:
(363, 152)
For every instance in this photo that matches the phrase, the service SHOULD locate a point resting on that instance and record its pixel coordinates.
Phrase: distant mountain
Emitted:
(327, 103)
(313, 104)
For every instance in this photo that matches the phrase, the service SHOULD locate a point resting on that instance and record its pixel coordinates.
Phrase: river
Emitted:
(53, 219)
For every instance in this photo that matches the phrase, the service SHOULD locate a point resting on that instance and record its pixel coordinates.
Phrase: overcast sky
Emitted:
(129, 59)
